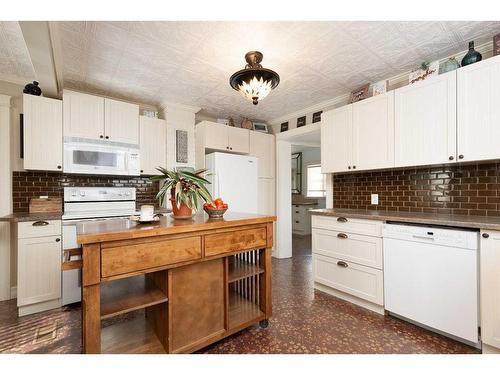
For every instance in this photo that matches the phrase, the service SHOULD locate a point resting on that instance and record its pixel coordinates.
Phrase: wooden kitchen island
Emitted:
(192, 282)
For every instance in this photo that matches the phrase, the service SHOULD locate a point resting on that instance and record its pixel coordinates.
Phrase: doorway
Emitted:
(296, 193)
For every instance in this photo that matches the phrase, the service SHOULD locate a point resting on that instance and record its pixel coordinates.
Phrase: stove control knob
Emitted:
(127, 193)
(82, 193)
(73, 193)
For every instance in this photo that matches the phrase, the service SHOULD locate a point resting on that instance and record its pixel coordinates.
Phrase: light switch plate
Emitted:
(374, 198)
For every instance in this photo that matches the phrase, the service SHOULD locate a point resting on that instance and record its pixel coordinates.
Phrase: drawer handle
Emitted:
(342, 235)
(485, 235)
(40, 223)
(342, 220)
(58, 239)
(342, 264)
(296, 212)
(296, 221)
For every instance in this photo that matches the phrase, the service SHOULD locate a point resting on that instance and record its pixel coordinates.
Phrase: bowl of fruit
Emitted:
(215, 209)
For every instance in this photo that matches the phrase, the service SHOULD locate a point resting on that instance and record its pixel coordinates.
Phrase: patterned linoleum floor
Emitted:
(304, 321)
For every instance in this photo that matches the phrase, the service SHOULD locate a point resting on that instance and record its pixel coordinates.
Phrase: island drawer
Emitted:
(133, 257)
(227, 242)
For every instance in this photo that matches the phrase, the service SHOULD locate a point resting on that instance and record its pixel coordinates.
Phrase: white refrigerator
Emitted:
(234, 178)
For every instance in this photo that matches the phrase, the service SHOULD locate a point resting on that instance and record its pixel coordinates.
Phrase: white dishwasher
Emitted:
(431, 277)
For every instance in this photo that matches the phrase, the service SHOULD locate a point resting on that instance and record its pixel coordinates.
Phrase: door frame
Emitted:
(284, 142)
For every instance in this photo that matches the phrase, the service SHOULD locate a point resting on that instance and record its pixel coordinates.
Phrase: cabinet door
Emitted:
(266, 196)
(262, 146)
(42, 133)
(38, 270)
(478, 94)
(121, 121)
(153, 142)
(373, 132)
(215, 136)
(238, 139)
(83, 115)
(490, 288)
(336, 140)
(425, 122)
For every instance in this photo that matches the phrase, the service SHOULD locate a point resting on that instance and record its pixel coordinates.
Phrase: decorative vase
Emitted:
(472, 56)
(247, 124)
(449, 65)
(182, 210)
(32, 89)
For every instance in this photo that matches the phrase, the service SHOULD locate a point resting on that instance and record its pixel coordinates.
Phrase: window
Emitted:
(316, 181)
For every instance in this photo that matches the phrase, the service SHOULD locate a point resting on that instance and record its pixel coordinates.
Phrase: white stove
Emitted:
(88, 204)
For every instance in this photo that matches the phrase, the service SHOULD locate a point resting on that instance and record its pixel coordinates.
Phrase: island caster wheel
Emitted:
(264, 323)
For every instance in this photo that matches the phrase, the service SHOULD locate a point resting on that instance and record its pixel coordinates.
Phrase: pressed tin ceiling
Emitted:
(191, 62)
(15, 62)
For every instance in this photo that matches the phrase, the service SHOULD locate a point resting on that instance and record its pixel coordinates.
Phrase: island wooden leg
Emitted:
(91, 298)
(265, 282)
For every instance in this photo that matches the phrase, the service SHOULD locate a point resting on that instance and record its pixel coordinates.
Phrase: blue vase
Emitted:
(472, 56)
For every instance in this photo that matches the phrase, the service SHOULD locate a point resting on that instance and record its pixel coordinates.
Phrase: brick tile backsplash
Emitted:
(26, 185)
(456, 189)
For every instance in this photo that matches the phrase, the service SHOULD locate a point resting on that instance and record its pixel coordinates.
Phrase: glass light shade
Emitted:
(255, 90)
(254, 82)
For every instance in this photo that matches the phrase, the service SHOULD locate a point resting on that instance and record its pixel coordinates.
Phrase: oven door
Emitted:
(71, 279)
(95, 159)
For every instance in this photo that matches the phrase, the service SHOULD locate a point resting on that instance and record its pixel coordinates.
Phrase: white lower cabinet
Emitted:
(351, 278)
(489, 265)
(301, 219)
(39, 266)
(347, 259)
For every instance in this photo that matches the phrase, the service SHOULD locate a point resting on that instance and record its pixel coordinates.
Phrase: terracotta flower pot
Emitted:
(181, 210)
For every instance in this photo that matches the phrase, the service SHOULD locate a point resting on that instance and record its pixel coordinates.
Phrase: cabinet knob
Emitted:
(349, 167)
(341, 219)
(451, 158)
(343, 264)
(101, 136)
(58, 239)
(59, 167)
(142, 171)
(230, 148)
(40, 223)
(353, 167)
(485, 235)
(297, 221)
(107, 137)
(460, 156)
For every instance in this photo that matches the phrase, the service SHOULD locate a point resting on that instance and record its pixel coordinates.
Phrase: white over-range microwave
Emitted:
(87, 157)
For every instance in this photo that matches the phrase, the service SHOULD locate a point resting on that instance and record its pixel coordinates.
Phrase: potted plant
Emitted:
(186, 190)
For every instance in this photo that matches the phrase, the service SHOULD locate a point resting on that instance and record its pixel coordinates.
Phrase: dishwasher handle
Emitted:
(421, 237)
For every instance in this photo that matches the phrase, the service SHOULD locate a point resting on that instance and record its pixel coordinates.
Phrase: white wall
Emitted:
(5, 197)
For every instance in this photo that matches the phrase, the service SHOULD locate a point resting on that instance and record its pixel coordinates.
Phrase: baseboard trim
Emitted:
(38, 307)
(349, 298)
(488, 349)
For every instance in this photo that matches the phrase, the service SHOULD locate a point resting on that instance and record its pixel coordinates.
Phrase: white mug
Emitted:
(147, 212)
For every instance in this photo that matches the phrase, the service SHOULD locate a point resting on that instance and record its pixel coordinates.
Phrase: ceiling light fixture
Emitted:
(254, 82)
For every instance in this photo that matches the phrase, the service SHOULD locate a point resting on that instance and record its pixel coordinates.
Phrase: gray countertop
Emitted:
(26, 216)
(478, 222)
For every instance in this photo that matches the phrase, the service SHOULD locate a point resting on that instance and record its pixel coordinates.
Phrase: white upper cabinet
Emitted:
(373, 132)
(153, 144)
(262, 146)
(98, 118)
(121, 122)
(425, 122)
(83, 115)
(336, 140)
(215, 135)
(478, 99)
(238, 139)
(42, 133)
